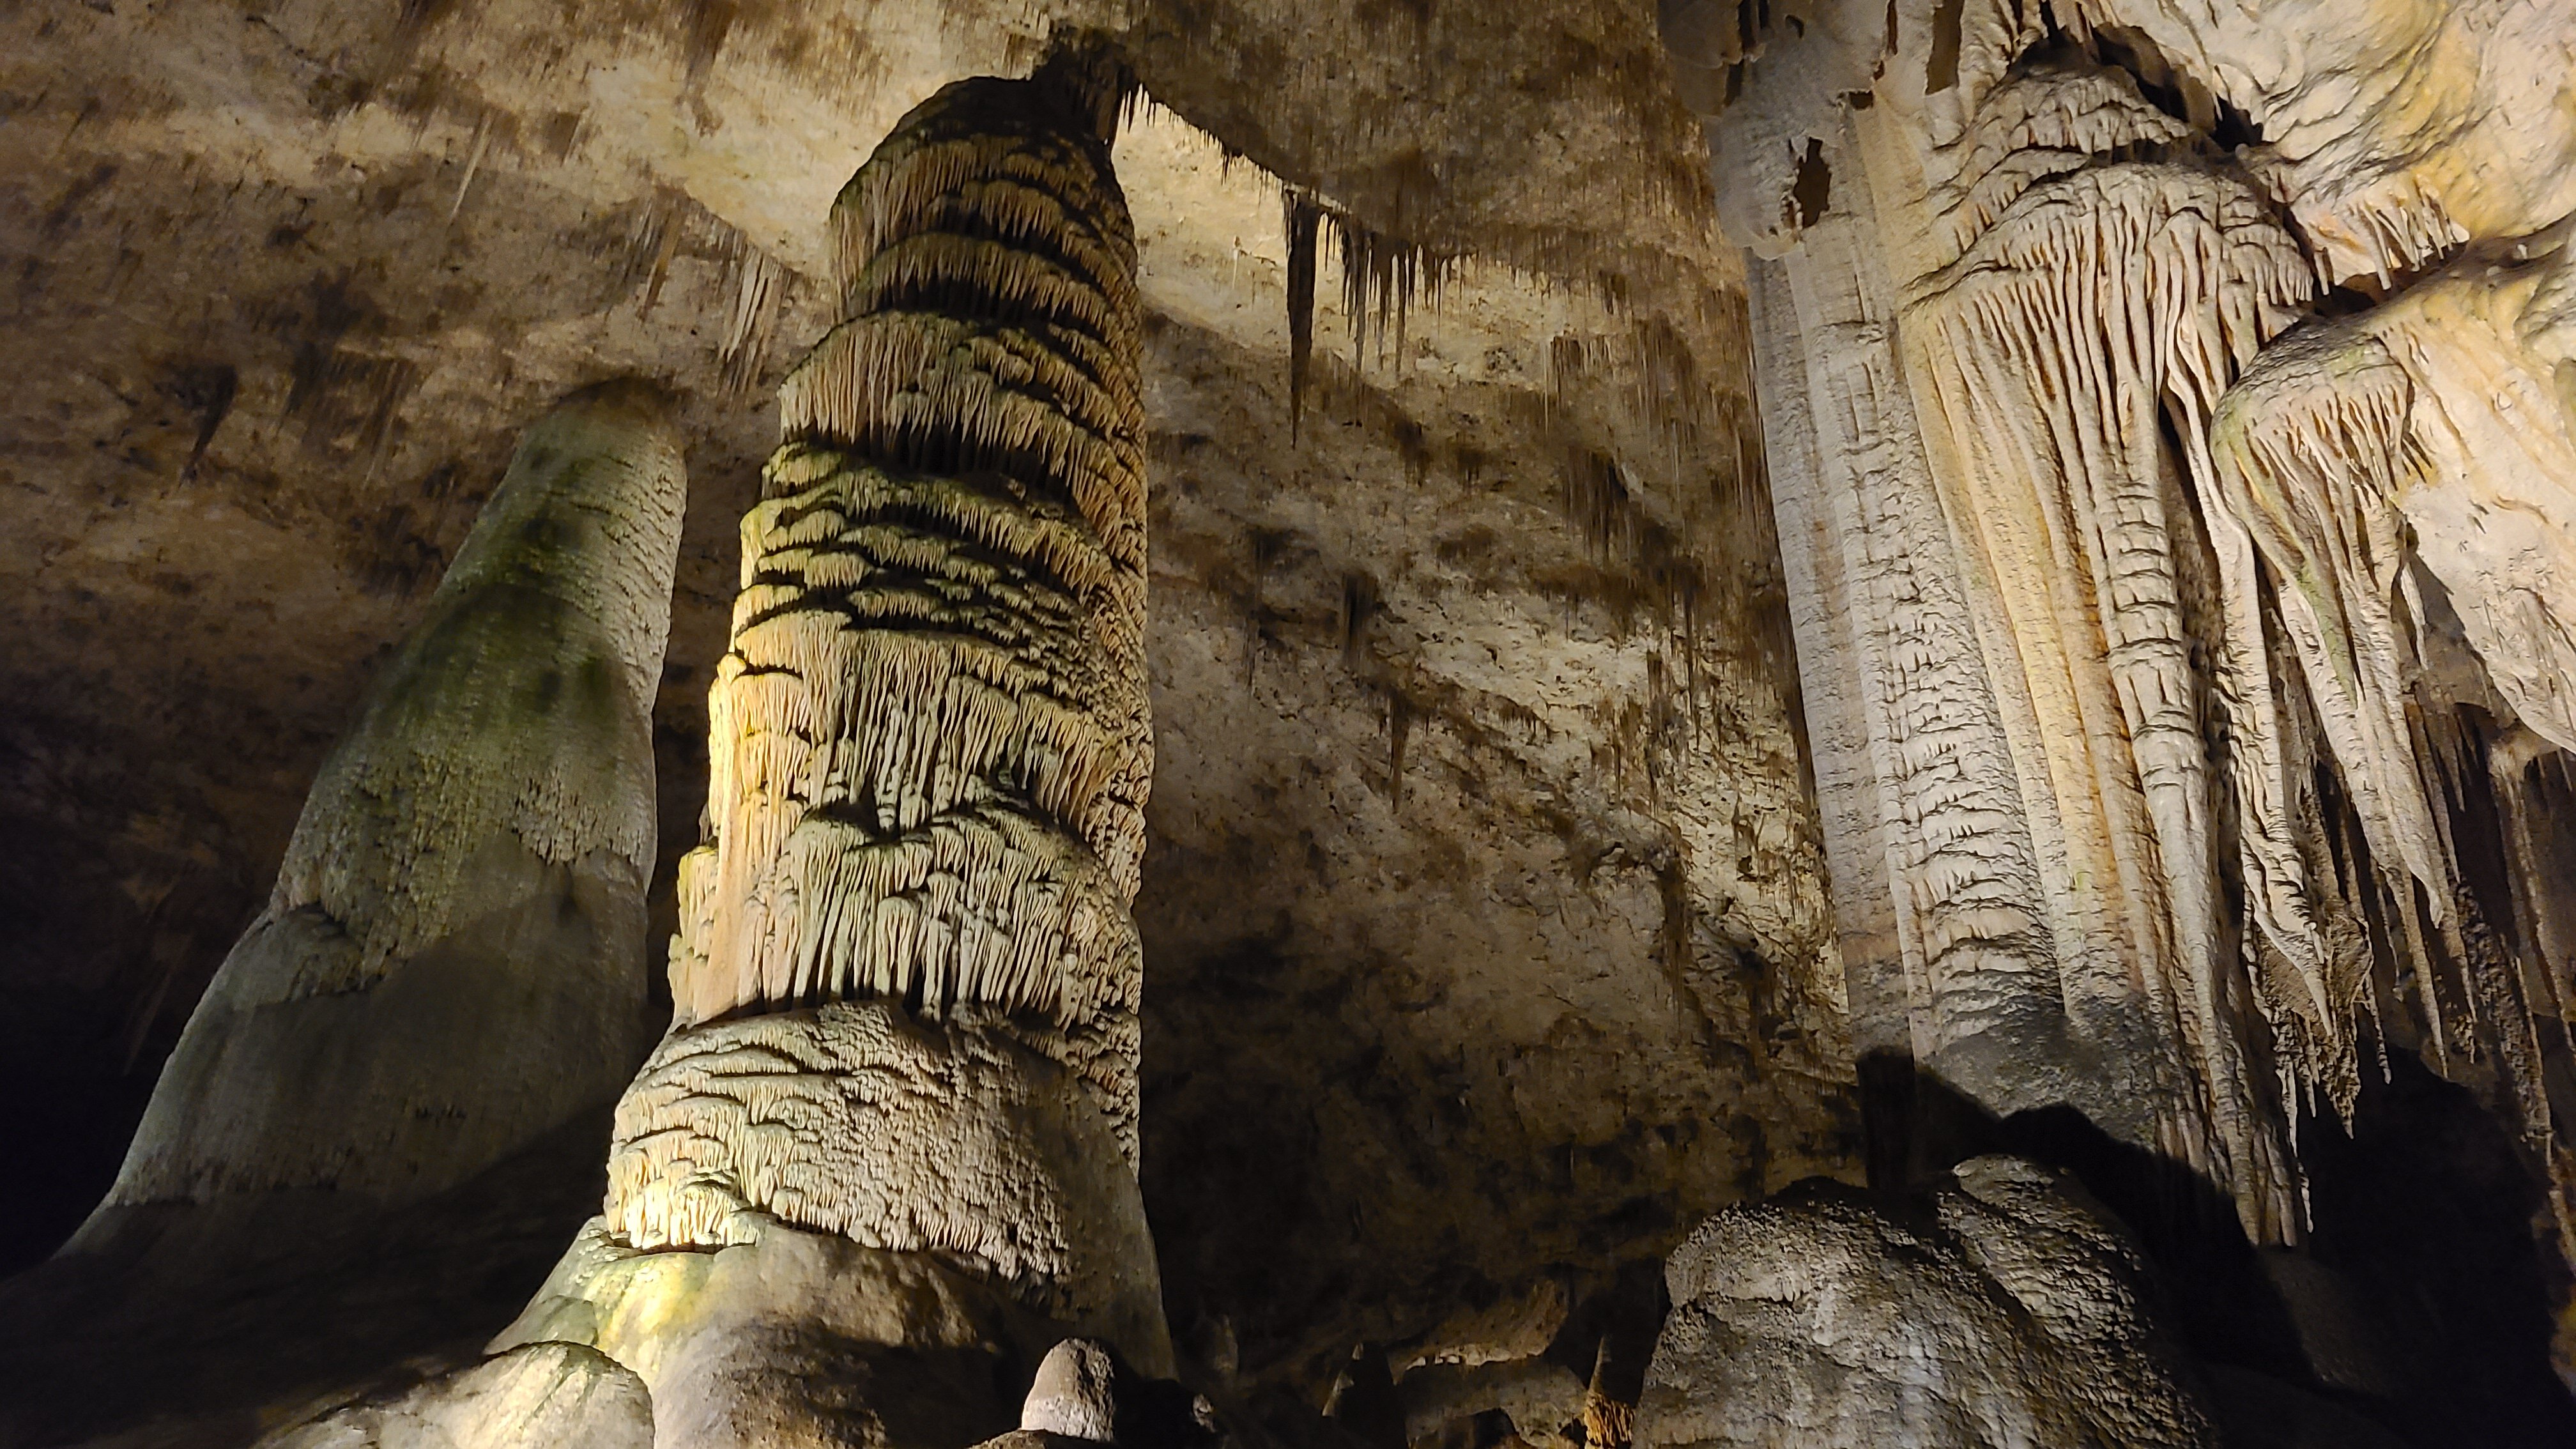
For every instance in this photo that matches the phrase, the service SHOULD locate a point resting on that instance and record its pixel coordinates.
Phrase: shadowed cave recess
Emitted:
(909, 723)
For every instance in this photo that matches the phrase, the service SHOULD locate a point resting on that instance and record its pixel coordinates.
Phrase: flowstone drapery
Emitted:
(2050, 816)
(894, 1121)
(2155, 641)
(447, 967)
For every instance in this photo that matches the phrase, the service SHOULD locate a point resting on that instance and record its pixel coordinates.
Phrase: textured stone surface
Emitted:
(1075, 1392)
(956, 1137)
(1514, 957)
(447, 969)
(2145, 387)
(788, 1337)
(2000, 1311)
(1517, 996)
(2140, 699)
(1478, 910)
(1485, 925)
(928, 743)
(545, 1393)
(928, 755)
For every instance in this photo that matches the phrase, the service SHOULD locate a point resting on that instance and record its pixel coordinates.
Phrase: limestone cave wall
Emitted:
(1485, 932)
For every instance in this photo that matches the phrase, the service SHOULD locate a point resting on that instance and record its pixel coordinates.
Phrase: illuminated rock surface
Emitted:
(906, 978)
(445, 971)
(2157, 432)
(549, 1393)
(2000, 1312)
(2161, 408)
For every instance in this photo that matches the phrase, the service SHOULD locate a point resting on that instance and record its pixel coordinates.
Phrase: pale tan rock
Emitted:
(451, 963)
(2393, 129)
(1975, 485)
(2004, 1312)
(906, 977)
(2447, 413)
(1075, 1392)
(788, 1337)
(929, 749)
(2082, 613)
(953, 1137)
(556, 1394)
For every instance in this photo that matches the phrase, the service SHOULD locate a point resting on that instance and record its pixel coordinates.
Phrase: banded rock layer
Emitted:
(929, 743)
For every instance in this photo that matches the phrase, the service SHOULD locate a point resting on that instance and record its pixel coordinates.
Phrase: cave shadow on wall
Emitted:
(2421, 1300)
(314, 1298)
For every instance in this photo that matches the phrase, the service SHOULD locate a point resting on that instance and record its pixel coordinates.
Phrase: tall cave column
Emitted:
(906, 979)
(450, 964)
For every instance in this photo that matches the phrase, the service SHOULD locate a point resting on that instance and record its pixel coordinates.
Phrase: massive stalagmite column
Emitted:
(453, 959)
(906, 978)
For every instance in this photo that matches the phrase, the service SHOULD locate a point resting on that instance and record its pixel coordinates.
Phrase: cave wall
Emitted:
(2140, 595)
(1511, 830)
(1486, 938)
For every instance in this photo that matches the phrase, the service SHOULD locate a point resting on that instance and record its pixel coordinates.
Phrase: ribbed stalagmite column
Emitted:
(906, 978)
(453, 960)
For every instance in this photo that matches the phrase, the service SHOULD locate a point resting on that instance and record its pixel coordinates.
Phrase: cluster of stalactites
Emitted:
(2312, 451)
(1381, 276)
(930, 743)
(2094, 300)
(2106, 329)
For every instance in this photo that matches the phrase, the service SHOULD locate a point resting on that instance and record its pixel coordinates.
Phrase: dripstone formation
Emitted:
(1853, 726)
(445, 971)
(2150, 671)
(897, 1104)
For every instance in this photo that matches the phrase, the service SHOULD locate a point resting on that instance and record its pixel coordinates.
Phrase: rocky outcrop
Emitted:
(2000, 1310)
(451, 962)
(556, 1394)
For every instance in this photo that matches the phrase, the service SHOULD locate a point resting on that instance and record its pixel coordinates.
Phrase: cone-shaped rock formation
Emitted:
(451, 962)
